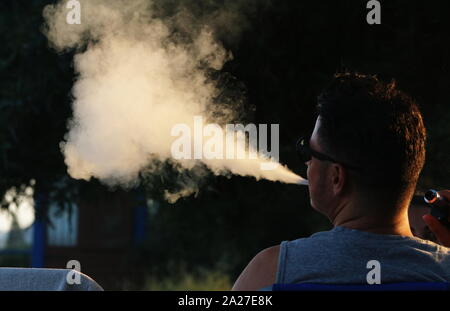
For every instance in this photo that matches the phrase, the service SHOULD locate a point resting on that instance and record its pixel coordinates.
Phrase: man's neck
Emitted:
(356, 218)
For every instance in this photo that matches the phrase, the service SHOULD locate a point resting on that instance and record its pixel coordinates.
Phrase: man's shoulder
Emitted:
(269, 254)
(261, 271)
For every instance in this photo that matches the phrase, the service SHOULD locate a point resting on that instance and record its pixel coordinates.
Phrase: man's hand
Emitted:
(441, 232)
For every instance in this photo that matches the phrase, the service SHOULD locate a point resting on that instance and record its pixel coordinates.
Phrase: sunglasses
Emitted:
(305, 153)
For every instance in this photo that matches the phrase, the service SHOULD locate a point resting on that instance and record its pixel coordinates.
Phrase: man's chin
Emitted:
(317, 209)
(314, 206)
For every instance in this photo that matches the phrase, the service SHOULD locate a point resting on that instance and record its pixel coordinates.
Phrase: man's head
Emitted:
(377, 130)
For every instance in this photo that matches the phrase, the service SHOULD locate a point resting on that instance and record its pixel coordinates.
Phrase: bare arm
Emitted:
(260, 272)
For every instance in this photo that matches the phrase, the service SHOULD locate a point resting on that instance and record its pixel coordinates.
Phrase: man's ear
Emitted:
(338, 178)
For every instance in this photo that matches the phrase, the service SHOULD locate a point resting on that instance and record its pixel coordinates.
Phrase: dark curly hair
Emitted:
(377, 127)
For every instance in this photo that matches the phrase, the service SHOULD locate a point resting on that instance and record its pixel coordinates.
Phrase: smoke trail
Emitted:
(137, 75)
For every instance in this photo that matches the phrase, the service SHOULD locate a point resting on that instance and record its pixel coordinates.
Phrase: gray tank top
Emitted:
(340, 256)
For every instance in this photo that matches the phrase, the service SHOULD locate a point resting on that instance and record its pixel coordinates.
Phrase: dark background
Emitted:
(284, 55)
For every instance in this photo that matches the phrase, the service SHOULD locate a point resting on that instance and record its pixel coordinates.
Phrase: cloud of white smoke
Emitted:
(136, 78)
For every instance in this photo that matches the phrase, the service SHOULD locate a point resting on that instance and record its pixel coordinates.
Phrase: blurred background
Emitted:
(134, 240)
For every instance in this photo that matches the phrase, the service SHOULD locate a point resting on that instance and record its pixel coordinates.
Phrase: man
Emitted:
(363, 162)
(441, 232)
(417, 209)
